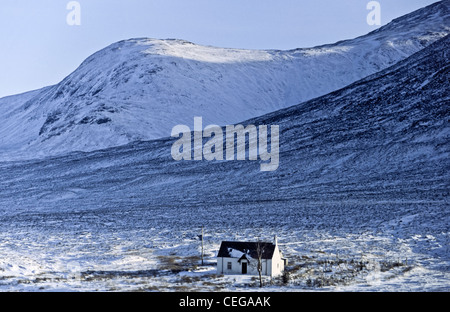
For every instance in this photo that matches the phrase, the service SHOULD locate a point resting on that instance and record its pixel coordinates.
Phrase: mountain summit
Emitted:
(138, 89)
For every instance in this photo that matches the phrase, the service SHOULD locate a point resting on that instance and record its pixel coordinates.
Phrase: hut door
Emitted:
(244, 267)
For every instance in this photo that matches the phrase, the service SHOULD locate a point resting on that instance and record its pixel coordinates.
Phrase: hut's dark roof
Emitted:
(249, 248)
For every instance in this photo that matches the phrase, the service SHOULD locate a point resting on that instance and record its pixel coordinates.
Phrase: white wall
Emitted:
(236, 266)
(222, 266)
(277, 263)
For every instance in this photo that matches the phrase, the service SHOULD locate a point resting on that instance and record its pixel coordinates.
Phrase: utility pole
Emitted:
(202, 245)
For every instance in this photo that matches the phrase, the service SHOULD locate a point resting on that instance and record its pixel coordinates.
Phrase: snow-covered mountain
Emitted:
(139, 89)
(363, 175)
(383, 137)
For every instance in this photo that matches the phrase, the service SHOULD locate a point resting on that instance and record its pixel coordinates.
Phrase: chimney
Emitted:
(275, 240)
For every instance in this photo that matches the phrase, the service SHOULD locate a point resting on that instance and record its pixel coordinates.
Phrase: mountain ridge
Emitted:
(138, 89)
(375, 140)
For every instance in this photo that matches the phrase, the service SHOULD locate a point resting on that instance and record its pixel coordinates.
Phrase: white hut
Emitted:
(242, 258)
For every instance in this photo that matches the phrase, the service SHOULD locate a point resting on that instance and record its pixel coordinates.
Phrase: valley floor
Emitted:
(330, 247)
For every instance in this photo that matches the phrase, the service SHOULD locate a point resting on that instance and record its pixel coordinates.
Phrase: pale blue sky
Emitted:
(38, 48)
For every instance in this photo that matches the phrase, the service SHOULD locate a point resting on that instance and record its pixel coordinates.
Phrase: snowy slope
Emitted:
(385, 136)
(363, 177)
(139, 89)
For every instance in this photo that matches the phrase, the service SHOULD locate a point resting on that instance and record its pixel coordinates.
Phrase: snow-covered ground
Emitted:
(380, 248)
